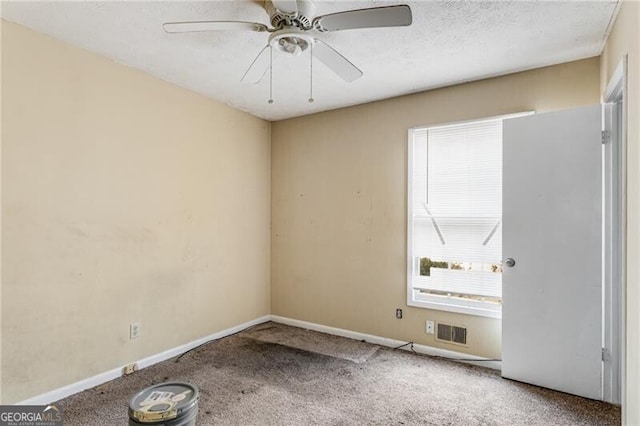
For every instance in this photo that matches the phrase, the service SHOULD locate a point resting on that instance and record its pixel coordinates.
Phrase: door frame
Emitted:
(614, 234)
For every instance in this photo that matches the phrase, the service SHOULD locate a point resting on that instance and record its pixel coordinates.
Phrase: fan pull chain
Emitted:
(270, 74)
(311, 73)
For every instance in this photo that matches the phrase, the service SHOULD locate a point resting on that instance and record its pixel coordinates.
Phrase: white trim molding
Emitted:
(391, 343)
(616, 87)
(63, 392)
(615, 121)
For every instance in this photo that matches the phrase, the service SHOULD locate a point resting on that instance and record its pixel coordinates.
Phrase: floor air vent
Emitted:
(451, 333)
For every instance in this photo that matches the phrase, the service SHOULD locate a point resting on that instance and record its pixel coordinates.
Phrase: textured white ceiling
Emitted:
(449, 42)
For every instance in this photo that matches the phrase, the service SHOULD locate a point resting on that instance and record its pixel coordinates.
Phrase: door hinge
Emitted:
(606, 356)
(606, 136)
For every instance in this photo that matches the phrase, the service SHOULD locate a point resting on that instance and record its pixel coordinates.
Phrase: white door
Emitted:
(552, 229)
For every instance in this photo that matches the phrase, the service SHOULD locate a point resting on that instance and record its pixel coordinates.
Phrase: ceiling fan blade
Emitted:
(197, 26)
(388, 16)
(259, 67)
(335, 61)
(289, 7)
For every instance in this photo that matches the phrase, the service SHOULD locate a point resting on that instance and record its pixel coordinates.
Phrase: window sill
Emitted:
(452, 306)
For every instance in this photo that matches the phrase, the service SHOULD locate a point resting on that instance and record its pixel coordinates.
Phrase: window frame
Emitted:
(442, 303)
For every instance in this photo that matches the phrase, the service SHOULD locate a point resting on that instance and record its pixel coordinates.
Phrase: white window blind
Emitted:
(455, 210)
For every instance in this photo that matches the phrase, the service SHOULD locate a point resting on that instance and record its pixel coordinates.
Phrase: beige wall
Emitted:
(625, 39)
(339, 202)
(124, 199)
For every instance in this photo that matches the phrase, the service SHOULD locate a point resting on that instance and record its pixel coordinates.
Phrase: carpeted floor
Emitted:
(273, 374)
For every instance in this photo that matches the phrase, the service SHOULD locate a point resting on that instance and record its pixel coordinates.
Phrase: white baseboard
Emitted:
(63, 392)
(392, 343)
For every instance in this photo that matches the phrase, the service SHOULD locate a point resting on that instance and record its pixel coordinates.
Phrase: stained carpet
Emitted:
(307, 340)
(279, 375)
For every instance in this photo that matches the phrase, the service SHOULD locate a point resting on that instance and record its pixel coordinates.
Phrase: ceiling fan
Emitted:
(295, 29)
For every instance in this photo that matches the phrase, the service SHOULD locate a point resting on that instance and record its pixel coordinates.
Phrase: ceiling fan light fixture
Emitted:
(291, 42)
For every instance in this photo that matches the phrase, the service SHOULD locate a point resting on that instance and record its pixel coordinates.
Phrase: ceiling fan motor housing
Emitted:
(303, 19)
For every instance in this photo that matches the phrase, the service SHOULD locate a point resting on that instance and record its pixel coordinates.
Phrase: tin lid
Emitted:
(164, 401)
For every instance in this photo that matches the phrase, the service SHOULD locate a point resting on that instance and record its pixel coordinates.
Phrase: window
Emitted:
(454, 217)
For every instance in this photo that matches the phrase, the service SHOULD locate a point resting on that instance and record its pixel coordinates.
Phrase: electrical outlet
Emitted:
(399, 313)
(129, 369)
(134, 330)
(430, 327)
